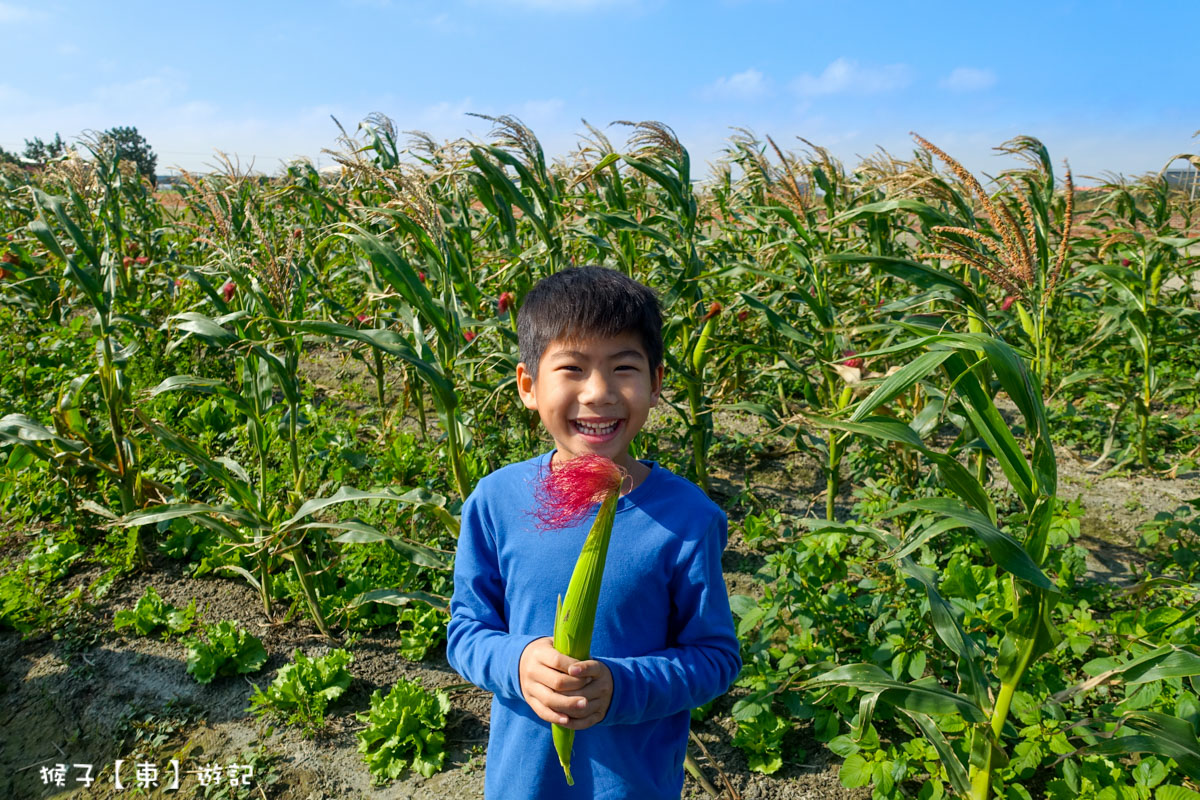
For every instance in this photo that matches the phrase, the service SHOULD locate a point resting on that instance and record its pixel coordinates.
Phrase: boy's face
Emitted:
(593, 395)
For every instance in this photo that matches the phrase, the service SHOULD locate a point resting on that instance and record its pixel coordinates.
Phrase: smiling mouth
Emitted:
(606, 428)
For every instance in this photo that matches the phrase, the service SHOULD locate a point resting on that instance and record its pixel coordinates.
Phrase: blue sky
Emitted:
(1111, 86)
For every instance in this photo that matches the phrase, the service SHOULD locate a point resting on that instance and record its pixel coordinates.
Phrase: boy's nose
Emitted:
(596, 389)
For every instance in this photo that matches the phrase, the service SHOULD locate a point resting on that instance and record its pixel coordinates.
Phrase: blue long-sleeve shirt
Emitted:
(663, 628)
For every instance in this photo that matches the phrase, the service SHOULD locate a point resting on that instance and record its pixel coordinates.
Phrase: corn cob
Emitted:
(708, 321)
(568, 494)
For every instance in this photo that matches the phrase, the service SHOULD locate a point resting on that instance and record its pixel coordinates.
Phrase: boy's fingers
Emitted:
(585, 669)
(557, 681)
(584, 722)
(546, 713)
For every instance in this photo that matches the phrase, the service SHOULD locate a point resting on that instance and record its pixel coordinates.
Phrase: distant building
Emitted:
(1187, 179)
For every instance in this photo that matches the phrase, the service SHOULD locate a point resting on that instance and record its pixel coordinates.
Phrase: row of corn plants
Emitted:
(879, 321)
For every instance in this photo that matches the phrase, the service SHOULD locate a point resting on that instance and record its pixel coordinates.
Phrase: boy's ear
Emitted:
(656, 379)
(525, 387)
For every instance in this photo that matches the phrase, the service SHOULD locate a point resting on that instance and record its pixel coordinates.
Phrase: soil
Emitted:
(89, 695)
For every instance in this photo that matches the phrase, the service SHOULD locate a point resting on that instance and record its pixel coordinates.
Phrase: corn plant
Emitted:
(983, 700)
(435, 354)
(1134, 265)
(95, 272)
(670, 226)
(264, 529)
(798, 241)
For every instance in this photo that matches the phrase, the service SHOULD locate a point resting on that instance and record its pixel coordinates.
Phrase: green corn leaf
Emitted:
(205, 327)
(900, 382)
(241, 490)
(1156, 733)
(393, 597)
(160, 513)
(1006, 551)
(389, 342)
(346, 494)
(955, 771)
(921, 696)
(21, 429)
(957, 477)
(211, 386)
(947, 623)
(359, 533)
(918, 274)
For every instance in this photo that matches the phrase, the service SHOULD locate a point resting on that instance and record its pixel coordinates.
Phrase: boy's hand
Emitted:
(561, 690)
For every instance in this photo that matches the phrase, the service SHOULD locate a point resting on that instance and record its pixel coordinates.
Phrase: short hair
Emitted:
(584, 302)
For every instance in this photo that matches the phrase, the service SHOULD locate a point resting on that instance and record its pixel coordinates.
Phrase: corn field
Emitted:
(287, 386)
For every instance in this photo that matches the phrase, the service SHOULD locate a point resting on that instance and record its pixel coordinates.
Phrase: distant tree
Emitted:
(9, 158)
(41, 152)
(131, 146)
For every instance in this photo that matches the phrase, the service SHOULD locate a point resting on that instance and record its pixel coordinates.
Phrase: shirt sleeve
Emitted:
(704, 658)
(478, 643)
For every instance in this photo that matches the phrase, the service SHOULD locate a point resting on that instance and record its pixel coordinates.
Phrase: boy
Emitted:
(664, 642)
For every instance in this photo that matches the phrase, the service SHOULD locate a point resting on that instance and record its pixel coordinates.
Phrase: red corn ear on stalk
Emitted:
(505, 302)
(565, 496)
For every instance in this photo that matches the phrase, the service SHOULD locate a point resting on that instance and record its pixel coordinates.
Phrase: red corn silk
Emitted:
(1007, 304)
(852, 361)
(505, 302)
(568, 492)
(227, 290)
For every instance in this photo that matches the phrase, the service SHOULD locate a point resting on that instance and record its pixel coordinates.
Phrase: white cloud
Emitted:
(846, 76)
(153, 90)
(451, 24)
(447, 113)
(534, 110)
(968, 79)
(11, 94)
(748, 85)
(10, 14)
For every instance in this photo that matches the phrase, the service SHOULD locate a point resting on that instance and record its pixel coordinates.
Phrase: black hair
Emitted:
(584, 302)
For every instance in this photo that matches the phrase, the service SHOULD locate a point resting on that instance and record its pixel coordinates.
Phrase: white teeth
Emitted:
(597, 430)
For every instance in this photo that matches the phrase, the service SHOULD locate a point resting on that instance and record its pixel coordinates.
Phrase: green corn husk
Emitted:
(576, 616)
(699, 355)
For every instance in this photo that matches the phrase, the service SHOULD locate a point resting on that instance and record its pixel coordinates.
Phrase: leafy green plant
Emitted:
(1175, 536)
(24, 588)
(227, 651)
(153, 613)
(404, 730)
(761, 739)
(303, 689)
(421, 628)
